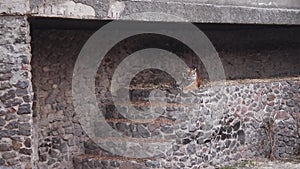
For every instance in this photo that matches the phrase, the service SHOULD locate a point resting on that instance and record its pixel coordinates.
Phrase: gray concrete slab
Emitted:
(200, 11)
(291, 4)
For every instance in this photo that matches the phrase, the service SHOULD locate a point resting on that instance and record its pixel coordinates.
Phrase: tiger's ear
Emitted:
(194, 70)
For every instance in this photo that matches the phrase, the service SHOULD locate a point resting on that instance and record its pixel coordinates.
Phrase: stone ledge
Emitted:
(89, 161)
(184, 12)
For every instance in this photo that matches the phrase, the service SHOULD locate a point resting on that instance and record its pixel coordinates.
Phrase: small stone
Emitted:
(24, 109)
(142, 131)
(183, 159)
(12, 125)
(5, 76)
(22, 84)
(7, 133)
(153, 127)
(51, 161)
(25, 159)
(27, 142)
(4, 85)
(2, 112)
(25, 129)
(227, 143)
(43, 157)
(9, 95)
(183, 127)
(241, 136)
(56, 140)
(13, 102)
(5, 147)
(12, 162)
(24, 119)
(181, 134)
(236, 126)
(122, 127)
(16, 145)
(2, 122)
(186, 141)
(191, 149)
(9, 155)
(289, 150)
(282, 115)
(22, 92)
(152, 164)
(10, 117)
(290, 103)
(281, 150)
(54, 153)
(271, 97)
(192, 128)
(130, 165)
(25, 151)
(175, 147)
(167, 129)
(63, 148)
(27, 99)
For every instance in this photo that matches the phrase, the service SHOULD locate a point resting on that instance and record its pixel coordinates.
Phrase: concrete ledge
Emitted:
(163, 10)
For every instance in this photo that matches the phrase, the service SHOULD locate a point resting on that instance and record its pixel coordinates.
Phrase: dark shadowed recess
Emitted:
(246, 51)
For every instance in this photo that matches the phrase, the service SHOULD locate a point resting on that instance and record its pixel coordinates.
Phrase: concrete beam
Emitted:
(291, 4)
(200, 11)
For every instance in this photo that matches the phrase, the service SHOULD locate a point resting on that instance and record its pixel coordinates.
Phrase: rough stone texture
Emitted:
(59, 134)
(66, 8)
(251, 109)
(14, 7)
(232, 11)
(256, 120)
(259, 119)
(16, 91)
(261, 3)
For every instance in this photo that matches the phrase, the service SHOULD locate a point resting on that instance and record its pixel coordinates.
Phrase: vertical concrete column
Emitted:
(16, 96)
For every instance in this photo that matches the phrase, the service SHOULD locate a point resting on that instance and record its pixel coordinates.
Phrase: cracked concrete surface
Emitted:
(64, 8)
(202, 11)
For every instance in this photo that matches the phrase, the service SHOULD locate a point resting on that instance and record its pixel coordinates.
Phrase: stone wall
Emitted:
(59, 135)
(50, 136)
(15, 93)
(257, 114)
(258, 120)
